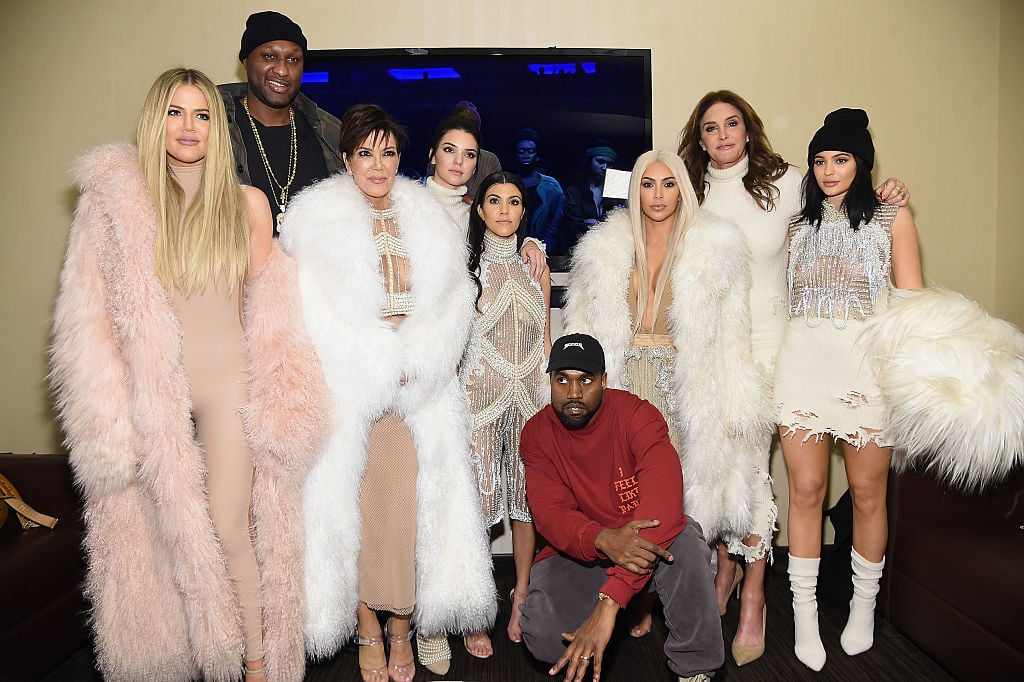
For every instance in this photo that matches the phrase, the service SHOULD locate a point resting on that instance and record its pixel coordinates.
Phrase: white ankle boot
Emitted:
(859, 633)
(803, 580)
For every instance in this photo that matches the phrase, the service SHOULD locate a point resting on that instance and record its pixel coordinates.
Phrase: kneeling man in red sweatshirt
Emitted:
(606, 491)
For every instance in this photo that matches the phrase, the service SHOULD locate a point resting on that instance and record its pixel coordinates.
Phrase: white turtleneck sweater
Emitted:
(452, 200)
(765, 232)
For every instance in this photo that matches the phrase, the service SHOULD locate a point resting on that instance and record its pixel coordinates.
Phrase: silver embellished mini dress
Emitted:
(504, 376)
(838, 278)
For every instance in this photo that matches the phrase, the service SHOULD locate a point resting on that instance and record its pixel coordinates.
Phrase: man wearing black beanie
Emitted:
(281, 140)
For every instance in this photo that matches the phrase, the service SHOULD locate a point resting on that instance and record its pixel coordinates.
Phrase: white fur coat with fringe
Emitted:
(163, 607)
(329, 231)
(723, 405)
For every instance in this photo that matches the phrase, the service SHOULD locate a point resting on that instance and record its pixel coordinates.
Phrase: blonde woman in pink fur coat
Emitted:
(191, 400)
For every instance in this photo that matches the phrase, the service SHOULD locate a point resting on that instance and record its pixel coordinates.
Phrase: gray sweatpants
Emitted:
(563, 593)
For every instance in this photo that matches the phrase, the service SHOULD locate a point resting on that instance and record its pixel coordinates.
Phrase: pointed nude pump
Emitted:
(434, 653)
(742, 653)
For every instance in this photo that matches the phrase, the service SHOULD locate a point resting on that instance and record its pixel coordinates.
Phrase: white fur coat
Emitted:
(723, 406)
(329, 230)
(163, 607)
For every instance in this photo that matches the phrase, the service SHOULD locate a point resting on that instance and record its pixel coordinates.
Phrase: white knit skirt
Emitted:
(824, 384)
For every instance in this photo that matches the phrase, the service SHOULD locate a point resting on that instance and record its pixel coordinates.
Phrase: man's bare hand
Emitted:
(626, 548)
(588, 643)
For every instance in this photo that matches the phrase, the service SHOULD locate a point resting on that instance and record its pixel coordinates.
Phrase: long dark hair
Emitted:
(859, 203)
(477, 226)
(460, 118)
(765, 165)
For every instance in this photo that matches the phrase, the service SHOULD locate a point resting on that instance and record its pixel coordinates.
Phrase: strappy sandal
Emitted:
(396, 672)
(372, 674)
(260, 671)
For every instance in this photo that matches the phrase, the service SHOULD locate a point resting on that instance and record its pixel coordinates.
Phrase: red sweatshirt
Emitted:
(619, 467)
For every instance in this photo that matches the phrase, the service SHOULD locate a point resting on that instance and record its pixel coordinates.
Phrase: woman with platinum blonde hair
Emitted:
(664, 285)
(191, 400)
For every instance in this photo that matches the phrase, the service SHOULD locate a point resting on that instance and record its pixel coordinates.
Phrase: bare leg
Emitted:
(725, 578)
(524, 544)
(807, 466)
(868, 473)
(373, 665)
(750, 631)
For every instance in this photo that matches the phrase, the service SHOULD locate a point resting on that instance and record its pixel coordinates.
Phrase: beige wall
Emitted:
(941, 79)
(1009, 295)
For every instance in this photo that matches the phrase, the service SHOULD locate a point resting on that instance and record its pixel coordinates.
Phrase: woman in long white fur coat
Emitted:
(390, 331)
(163, 604)
(710, 390)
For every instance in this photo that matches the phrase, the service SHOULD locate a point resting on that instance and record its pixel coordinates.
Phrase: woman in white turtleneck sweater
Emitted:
(736, 174)
(454, 153)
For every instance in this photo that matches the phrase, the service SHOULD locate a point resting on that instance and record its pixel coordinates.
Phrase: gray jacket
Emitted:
(326, 127)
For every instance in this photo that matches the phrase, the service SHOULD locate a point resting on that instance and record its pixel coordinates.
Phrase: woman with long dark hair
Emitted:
(846, 249)
(455, 152)
(736, 174)
(504, 371)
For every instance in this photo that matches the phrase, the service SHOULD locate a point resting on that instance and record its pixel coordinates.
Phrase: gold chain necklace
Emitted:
(292, 160)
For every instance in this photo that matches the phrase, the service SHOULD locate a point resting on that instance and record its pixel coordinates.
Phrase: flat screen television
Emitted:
(570, 96)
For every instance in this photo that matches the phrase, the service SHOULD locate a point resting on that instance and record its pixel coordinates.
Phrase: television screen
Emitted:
(574, 99)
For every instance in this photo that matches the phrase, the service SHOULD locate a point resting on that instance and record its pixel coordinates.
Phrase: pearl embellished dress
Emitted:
(387, 498)
(838, 277)
(504, 375)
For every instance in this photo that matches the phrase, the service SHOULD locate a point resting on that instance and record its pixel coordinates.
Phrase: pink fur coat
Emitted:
(163, 607)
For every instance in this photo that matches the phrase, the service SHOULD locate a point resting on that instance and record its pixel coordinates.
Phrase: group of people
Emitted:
(563, 213)
(283, 441)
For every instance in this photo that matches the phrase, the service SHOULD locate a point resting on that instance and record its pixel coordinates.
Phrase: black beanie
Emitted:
(845, 130)
(264, 27)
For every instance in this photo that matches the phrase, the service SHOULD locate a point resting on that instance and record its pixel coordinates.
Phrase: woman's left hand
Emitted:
(894, 192)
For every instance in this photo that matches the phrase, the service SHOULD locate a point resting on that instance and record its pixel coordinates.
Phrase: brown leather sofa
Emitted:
(41, 570)
(954, 580)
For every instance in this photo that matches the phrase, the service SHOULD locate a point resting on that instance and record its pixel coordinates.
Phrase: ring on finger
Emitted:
(584, 658)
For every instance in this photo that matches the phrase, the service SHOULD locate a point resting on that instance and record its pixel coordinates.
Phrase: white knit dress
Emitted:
(765, 233)
(838, 278)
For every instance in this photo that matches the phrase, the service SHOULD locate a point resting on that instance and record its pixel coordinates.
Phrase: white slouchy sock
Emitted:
(803, 580)
(859, 633)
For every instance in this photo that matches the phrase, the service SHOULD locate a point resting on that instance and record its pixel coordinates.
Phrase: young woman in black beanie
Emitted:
(845, 251)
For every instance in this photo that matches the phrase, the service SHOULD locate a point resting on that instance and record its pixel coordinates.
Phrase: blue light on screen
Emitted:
(429, 73)
(559, 68)
(316, 77)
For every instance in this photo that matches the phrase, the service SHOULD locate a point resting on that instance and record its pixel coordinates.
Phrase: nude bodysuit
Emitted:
(214, 357)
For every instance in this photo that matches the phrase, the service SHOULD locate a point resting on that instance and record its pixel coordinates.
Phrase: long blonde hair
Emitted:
(209, 237)
(684, 217)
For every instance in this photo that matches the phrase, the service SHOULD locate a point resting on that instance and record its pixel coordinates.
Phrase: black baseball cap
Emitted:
(581, 352)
